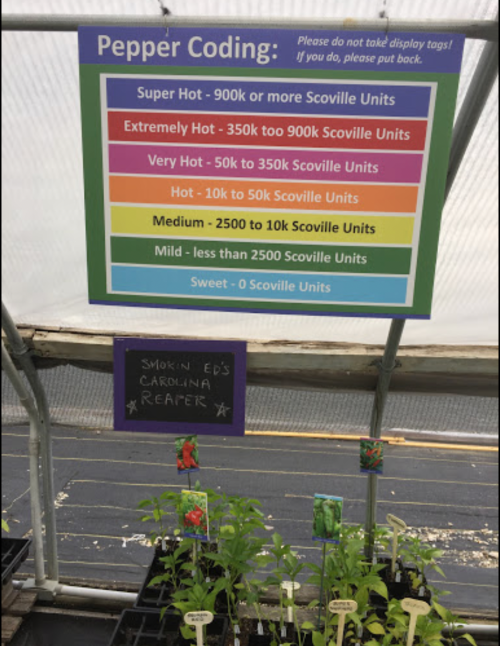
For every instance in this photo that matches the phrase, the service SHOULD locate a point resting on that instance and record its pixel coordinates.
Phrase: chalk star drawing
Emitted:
(221, 409)
(132, 406)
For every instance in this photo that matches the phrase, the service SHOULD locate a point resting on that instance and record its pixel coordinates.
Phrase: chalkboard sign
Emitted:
(171, 386)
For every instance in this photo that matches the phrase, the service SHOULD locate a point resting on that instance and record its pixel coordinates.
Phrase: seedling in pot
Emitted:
(167, 499)
(394, 629)
(194, 598)
(238, 550)
(276, 555)
(174, 564)
(452, 623)
(424, 557)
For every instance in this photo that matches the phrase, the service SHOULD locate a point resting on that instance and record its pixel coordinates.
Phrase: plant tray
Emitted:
(143, 627)
(159, 595)
(14, 552)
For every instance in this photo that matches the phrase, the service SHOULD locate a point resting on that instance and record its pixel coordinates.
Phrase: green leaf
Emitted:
(442, 612)
(380, 588)
(437, 569)
(318, 639)
(376, 628)
(307, 625)
(188, 632)
(5, 527)
(469, 638)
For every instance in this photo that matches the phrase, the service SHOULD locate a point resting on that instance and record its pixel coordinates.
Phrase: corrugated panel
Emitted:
(43, 246)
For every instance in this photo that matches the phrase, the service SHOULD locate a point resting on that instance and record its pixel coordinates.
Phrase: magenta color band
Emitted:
(316, 165)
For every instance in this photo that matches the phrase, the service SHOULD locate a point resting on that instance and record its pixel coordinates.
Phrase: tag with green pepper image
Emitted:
(327, 518)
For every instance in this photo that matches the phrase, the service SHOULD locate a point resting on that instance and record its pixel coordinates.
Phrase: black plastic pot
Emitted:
(14, 552)
(254, 639)
(160, 595)
(142, 627)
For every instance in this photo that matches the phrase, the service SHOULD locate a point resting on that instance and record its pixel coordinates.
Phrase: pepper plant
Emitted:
(424, 557)
(175, 565)
(452, 622)
(238, 550)
(277, 554)
(157, 513)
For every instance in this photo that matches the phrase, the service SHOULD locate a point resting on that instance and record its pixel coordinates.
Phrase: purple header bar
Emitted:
(271, 49)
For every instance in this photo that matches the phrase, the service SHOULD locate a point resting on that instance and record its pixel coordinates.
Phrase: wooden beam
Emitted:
(464, 370)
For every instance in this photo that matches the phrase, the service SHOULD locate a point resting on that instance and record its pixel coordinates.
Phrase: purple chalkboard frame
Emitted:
(238, 348)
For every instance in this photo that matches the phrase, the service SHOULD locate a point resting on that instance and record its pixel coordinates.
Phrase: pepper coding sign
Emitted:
(180, 386)
(266, 170)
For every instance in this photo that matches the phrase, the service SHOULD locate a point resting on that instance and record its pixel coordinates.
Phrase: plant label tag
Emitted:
(198, 620)
(187, 454)
(342, 608)
(398, 577)
(283, 631)
(260, 628)
(395, 522)
(397, 525)
(236, 629)
(414, 608)
(290, 586)
(194, 509)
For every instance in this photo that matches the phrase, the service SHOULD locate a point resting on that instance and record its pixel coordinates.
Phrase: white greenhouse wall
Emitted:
(43, 244)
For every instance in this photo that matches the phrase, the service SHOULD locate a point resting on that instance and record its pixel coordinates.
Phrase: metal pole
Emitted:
(468, 117)
(474, 102)
(21, 352)
(483, 29)
(386, 367)
(34, 454)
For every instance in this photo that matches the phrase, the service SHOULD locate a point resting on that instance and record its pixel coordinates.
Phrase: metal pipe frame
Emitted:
(21, 352)
(468, 117)
(482, 29)
(475, 99)
(34, 458)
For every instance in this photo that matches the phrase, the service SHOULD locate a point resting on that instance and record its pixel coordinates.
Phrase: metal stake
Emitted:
(386, 368)
(472, 107)
(321, 584)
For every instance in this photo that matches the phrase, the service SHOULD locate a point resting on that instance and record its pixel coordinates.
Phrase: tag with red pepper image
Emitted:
(371, 455)
(186, 449)
(327, 518)
(194, 508)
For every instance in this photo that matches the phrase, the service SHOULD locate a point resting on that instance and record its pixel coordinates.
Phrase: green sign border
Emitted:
(447, 85)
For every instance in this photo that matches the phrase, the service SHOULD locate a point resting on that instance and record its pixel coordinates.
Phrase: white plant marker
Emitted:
(397, 525)
(290, 587)
(414, 608)
(342, 608)
(198, 620)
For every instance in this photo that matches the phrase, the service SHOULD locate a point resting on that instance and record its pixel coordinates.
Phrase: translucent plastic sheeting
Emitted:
(43, 247)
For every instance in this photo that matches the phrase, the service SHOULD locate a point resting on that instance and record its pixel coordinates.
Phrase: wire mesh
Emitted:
(83, 398)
